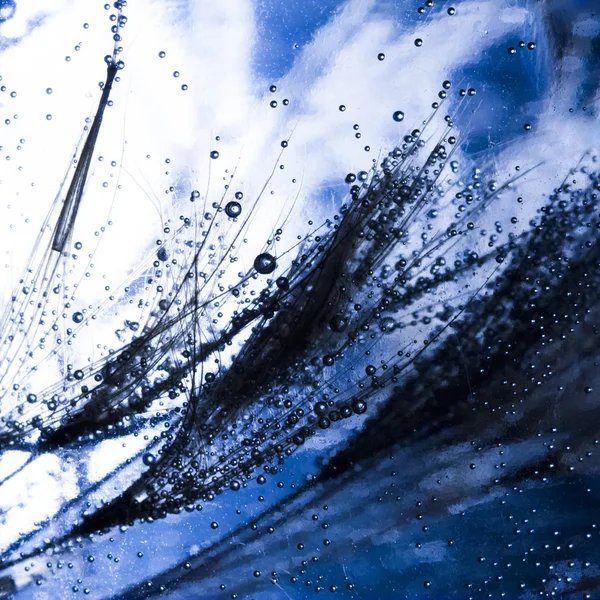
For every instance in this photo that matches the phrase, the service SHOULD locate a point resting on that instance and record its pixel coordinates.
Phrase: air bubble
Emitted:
(233, 209)
(265, 263)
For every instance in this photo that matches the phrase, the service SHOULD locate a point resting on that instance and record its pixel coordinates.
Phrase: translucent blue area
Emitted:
(283, 29)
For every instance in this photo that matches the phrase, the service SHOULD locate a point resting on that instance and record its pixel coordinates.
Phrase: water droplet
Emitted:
(162, 254)
(233, 209)
(148, 459)
(265, 263)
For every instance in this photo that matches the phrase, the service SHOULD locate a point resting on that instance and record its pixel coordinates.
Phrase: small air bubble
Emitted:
(162, 254)
(148, 459)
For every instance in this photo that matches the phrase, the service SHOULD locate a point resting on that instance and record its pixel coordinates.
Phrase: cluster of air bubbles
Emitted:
(370, 271)
(428, 4)
(274, 103)
(530, 46)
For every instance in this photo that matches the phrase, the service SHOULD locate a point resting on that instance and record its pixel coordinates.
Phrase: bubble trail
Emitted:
(410, 381)
(280, 356)
(446, 398)
(329, 269)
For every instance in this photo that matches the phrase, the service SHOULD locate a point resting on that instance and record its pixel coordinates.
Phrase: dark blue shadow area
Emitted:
(497, 549)
(589, 87)
(283, 28)
(511, 88)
